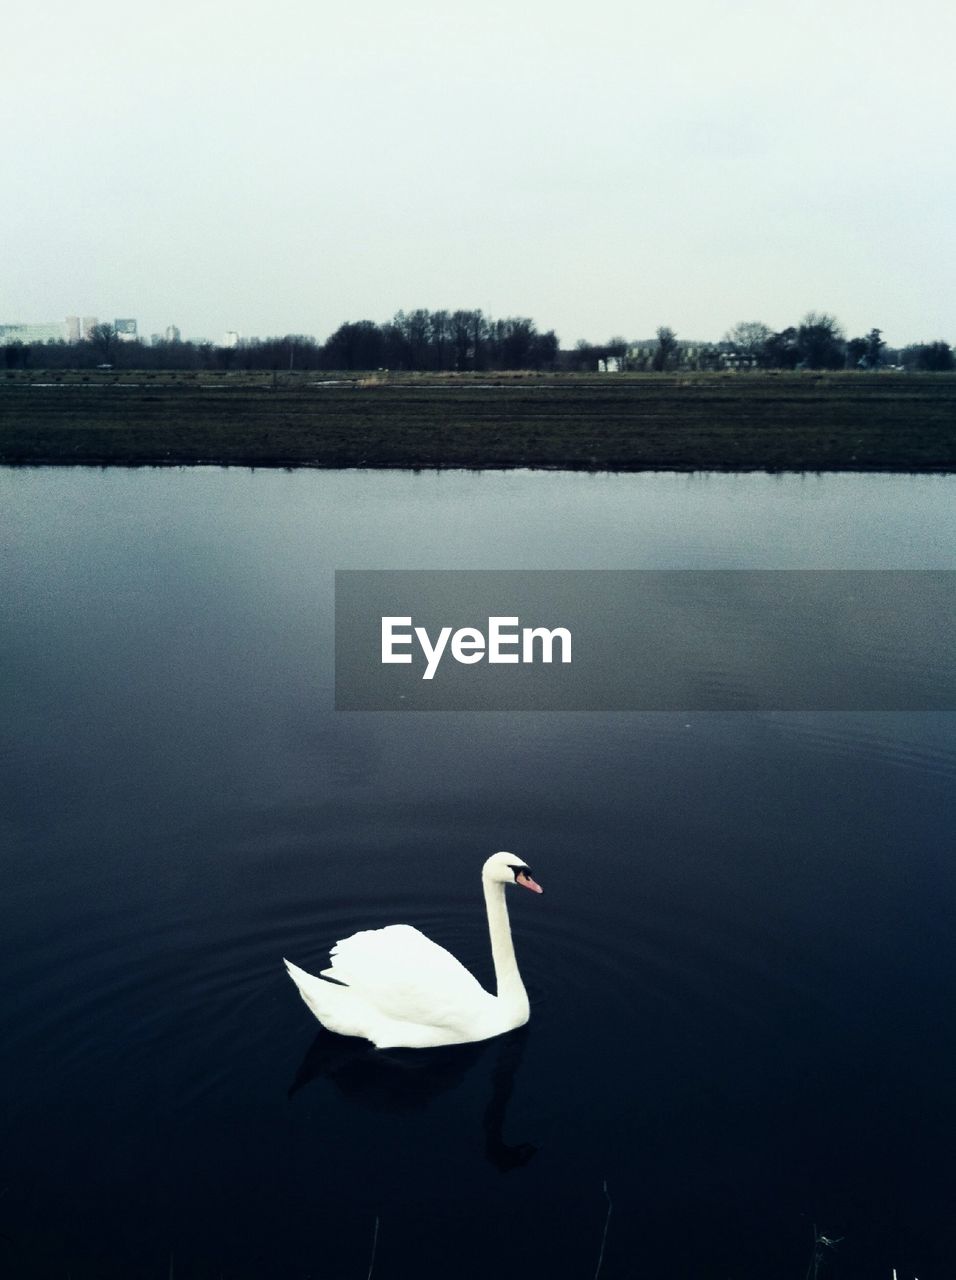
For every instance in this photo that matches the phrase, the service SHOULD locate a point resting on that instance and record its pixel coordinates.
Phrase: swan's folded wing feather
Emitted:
(407, 977)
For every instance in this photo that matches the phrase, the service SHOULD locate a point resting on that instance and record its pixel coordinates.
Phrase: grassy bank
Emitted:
(826, 422)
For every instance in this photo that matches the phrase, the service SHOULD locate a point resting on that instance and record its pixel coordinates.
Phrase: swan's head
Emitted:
(508, 868)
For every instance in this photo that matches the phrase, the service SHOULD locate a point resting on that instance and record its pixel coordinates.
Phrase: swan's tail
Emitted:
(329, 1001)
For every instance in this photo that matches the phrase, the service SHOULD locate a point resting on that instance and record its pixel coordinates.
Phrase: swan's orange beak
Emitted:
(528, 883)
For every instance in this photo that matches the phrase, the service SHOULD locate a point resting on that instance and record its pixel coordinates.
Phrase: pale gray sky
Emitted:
(284, 167)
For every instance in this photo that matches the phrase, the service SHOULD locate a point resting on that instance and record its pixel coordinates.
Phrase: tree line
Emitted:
(415, 341)
(818, 342)
(469, 341)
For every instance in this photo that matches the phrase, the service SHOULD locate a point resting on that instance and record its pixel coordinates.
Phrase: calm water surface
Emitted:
(742, 971)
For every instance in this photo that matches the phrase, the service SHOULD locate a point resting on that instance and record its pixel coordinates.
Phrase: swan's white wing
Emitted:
(406, 977)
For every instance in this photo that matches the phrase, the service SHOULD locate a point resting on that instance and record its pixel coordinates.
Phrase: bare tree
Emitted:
(665, 357)
(749, 338)
(103, 338)
(440, 337)
(874, 348)
(820, 341)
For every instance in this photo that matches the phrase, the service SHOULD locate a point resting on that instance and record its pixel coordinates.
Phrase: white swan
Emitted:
(400, 990)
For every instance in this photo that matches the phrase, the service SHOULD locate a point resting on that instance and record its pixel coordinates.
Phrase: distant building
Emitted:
(173, 334)
(687, 356)
(125, 330)
(731, 358)
(610, 364)
(87, 325)
(52, 331)
(72, 328)
(231, 339)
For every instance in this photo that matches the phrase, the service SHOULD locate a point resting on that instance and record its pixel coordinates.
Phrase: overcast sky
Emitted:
(605, 169)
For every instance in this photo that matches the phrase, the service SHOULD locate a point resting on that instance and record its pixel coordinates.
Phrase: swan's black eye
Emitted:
(522, 871)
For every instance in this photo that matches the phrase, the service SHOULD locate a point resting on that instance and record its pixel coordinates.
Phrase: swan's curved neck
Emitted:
(510, 987)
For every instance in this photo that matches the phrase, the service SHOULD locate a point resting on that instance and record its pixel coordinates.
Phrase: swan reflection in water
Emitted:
(408, 1080)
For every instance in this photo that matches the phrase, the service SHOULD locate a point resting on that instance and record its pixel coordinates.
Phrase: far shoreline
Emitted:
(738, 422)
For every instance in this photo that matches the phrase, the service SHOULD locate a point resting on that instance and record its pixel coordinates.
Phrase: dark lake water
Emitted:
(742, 971)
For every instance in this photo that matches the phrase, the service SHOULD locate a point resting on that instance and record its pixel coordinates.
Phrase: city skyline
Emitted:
(606, 174)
